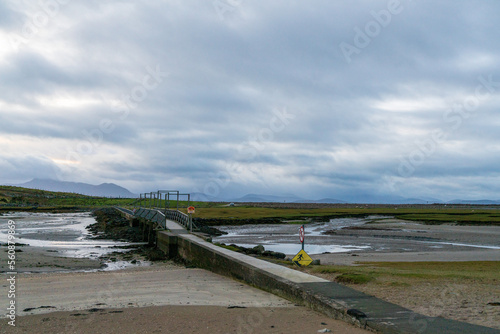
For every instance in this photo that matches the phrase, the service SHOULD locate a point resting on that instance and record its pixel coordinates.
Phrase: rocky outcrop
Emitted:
(111, 225)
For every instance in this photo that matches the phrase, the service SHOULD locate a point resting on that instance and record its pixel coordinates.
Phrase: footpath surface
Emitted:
(336, 300)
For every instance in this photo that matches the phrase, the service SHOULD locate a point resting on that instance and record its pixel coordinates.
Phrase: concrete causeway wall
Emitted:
(330, 298)
(284, 282)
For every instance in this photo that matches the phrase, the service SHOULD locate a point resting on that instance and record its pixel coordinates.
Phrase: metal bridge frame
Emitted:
(155, 199)
(152, 201)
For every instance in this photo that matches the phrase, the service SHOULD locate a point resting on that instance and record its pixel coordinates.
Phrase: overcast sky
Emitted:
(228, 97)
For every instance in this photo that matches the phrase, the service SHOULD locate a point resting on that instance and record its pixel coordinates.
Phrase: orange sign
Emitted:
(191, 209)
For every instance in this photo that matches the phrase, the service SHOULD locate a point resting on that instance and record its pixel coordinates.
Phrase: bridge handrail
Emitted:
(160, 216)
(123, 210)
(177, 216)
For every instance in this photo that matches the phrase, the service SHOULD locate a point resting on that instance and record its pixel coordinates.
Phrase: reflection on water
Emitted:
(65, 233)
(284, 238)
(291, 249)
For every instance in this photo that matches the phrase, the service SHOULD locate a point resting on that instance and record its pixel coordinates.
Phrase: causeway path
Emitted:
(332, 298)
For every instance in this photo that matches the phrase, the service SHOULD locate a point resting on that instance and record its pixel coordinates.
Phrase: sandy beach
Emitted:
(381, 239)
(347, 259)
(57, 293)
(374, 235)
(183, 320)
(473, 302)
(164, 297)
(40, 259)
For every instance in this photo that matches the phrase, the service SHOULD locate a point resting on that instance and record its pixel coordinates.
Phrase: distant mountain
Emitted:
(102, 190)
(432, 200)
(360, 199)
(477, 202)
(323, 200)
(267, 198)
(201, 197)
(380, 199)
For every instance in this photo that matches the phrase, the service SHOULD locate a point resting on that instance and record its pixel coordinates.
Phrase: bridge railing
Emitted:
(152, 215)
(177, 216)
(149, 206)
(160, 217)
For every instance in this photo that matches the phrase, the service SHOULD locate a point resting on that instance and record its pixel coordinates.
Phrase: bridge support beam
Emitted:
(167, 242)
(134, 222)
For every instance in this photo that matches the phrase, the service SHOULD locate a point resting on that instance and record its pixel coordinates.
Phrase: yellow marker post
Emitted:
(302, 259)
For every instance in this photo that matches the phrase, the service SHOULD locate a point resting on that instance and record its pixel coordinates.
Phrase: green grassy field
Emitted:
(428, 215)
(399, 272)
(15, 198)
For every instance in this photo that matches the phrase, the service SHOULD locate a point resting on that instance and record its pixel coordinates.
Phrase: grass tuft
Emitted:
(351, 278)
(232, 248)
(406, 273)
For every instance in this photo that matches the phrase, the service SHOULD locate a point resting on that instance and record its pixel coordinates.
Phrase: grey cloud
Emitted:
(22, 169)
(9, 18)
(226, 76)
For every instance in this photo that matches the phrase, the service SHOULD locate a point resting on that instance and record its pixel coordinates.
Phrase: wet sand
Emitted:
(41, 259)
(402, 241)
(396, 240)
(183, 320)
(374, 239)
(393, 240)
(117, 308)
(354, 258)
(165, 297)
(47, 242)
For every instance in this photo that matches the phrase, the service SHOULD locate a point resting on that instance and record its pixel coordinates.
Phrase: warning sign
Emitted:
(302, 259)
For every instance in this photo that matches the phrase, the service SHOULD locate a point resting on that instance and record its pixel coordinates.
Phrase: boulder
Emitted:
(259, 249)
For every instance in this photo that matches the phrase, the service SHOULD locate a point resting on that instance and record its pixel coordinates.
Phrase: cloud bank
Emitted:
(319, 99)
